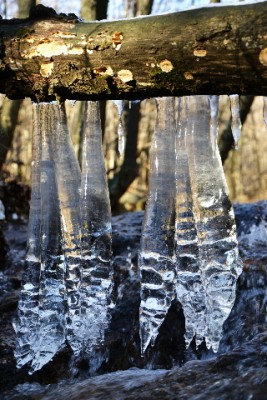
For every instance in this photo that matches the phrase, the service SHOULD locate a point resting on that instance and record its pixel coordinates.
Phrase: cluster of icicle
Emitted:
(67, 282)
(188, 245)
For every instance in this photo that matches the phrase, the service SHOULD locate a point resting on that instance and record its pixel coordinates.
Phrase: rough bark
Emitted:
(212, 50)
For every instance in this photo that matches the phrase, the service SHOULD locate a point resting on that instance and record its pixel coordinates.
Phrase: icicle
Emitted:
(121, 135)
(157, 243)
(96, 233)
(214, 108)
(190, 289)
(72, 102)
(68, 178)
(216, 231)
(265, 109)
(26, 325)
(236, 123)
(52, 308)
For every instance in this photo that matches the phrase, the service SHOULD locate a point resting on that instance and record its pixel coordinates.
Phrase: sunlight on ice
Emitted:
(235, 113)
(190, 288)
(121, 133)
(95, 212)
(215, 223)
(214, 109)
(68, 278)
(26, 323)
(189, 232)
(157, 245)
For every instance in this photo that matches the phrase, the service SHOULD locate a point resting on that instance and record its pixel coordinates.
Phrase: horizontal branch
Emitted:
(214, 50)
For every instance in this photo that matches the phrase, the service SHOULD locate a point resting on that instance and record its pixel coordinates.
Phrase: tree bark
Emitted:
(215, 50)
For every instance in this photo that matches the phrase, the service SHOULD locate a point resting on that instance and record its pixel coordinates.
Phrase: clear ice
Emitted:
(95, 209)
(196, 235)
(235, 113)
(214, 109)
(28, 311)
(68, 178)
(68, 278)
(188, 244)
(216, 232)
(52, 308)
(157, 268)
(121, 134)
(190, 289)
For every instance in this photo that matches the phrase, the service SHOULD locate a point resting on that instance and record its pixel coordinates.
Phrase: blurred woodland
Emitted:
(245, 168)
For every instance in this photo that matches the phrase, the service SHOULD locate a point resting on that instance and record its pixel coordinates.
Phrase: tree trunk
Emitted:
(215, 50)
(24, 7)
(10, 109)
(94, 9)
(8, 121)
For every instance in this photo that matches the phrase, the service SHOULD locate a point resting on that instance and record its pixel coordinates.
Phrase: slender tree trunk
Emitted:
(92, 10)
(8, 122)
(10, 109)
(24, 7)
(144, 7)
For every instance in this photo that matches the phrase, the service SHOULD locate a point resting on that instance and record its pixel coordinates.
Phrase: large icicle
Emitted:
(157, 243)
(190, 289)
(220, 263)
(236, 123)
(52, 278)
(68, 178)
(26, 325)
(96, 233)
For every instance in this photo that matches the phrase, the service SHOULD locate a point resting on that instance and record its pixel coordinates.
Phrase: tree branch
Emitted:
(215, 50)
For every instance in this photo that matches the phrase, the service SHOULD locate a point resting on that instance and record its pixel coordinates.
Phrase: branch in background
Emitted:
(49, 56)
(226, 141)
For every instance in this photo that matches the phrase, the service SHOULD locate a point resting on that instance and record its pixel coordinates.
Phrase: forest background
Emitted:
(245, 168)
